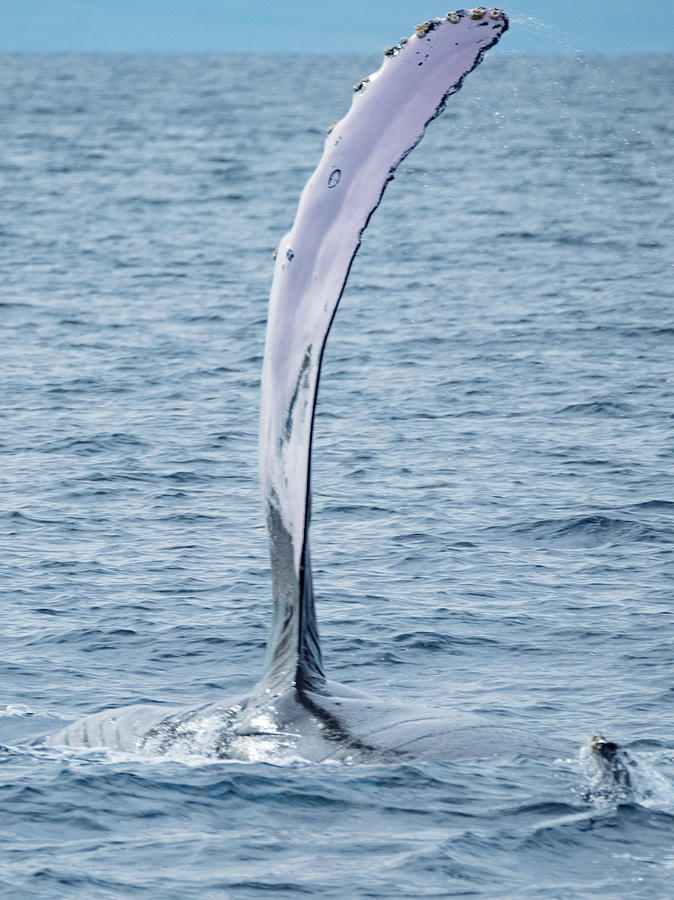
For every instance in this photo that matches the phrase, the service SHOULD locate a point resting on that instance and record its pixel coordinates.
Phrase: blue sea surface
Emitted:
(493, 475)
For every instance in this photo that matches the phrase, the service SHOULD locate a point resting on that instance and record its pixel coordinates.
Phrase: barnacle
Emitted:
(495, 13)
(478, 12)
(453, 17)
(389, 51)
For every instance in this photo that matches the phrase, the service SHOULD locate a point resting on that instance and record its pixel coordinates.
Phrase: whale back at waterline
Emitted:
(294, 710)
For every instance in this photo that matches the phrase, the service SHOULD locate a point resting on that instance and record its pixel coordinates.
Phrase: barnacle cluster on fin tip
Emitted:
(396, 48)
(422, 30)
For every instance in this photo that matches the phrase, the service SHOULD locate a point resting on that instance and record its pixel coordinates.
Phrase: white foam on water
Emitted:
(19, 711)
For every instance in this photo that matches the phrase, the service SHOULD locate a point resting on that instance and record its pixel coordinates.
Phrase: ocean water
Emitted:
(493, 474)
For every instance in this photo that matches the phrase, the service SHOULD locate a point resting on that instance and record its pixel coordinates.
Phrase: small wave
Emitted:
(96, 443)
(587, 531)
(646, 331)
(19, 519)
(599, 408)
(519, 235)
(657, 505)
(90, 639)
(430, 641)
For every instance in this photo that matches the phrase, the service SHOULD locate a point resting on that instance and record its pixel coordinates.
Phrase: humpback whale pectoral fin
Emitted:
(389, 113)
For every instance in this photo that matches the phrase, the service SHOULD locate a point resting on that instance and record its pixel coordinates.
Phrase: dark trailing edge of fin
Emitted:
(309, 675)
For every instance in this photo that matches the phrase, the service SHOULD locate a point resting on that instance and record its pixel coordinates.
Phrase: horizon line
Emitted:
(221, 52)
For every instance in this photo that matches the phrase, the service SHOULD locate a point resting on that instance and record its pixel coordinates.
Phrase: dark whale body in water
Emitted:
(295, 710)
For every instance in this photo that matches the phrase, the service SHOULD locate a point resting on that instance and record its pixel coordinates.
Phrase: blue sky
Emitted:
(539, 26)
